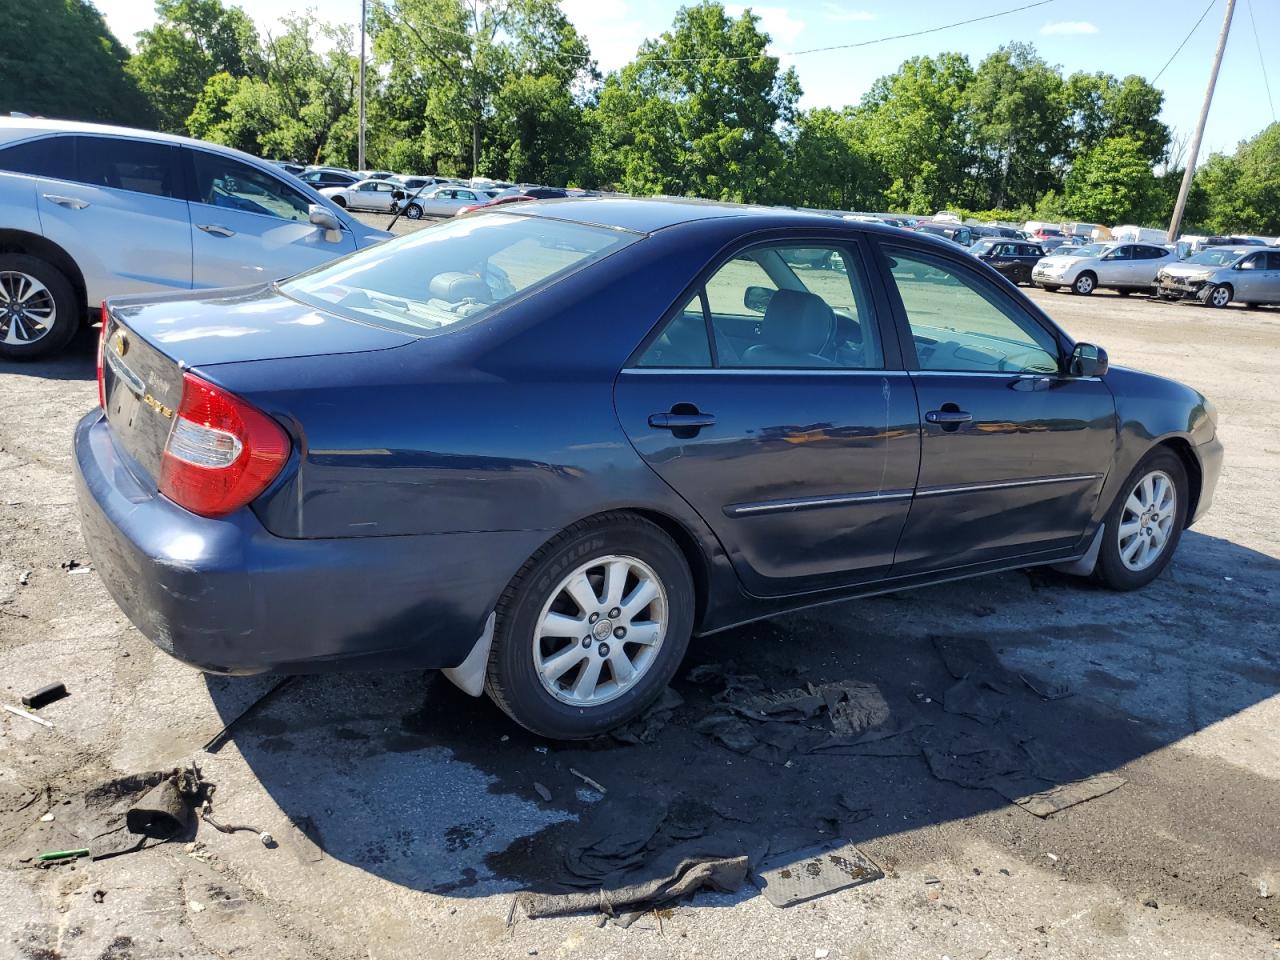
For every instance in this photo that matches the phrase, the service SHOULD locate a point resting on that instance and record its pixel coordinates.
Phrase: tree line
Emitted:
(509, 89)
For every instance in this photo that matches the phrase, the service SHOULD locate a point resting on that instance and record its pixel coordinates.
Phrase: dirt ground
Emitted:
(405, 813)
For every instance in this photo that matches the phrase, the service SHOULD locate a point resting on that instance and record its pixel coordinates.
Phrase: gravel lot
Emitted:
(419, 803)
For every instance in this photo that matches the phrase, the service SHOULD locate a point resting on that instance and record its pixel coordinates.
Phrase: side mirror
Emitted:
(1088, 360)
(324, 218)
(757, 298)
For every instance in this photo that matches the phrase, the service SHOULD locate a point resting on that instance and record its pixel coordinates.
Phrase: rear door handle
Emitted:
(217, 229)
(949, 416)
(72, 203)
(680, 421)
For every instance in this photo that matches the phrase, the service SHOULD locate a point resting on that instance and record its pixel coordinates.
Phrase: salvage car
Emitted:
(445, 201)
(375, 194)
(90, 211)
(543, 446)
(1123, 267)
(1218, 275)
(1013, 258)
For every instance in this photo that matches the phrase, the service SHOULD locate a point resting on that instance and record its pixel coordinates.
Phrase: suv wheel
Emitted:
(1219, 296)
(38, 314)
(592, 628)
(1084, 284)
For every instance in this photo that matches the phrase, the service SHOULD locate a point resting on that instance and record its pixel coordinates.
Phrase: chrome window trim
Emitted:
(770, 371)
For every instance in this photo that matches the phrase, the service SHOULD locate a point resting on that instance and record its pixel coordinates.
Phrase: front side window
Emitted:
(140, 166)
(224, 182)
(958, 324)
(1253, 263)
(46, 157)
(777, 306)
(458, 270)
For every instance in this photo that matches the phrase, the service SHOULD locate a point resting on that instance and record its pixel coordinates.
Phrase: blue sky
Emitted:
(1118, 36)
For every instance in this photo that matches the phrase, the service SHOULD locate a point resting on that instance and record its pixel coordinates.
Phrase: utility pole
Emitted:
(1194, 150)
(364, 11)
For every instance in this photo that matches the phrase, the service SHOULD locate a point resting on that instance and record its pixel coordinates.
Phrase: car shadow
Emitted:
(77, 361)
(409, 779)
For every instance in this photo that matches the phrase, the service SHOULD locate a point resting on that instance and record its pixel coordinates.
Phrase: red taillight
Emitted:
(221, 451)
(102, 345)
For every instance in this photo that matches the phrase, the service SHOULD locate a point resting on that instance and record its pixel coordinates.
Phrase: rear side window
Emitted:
(140, 166)
(47, 157)
(1273, 261)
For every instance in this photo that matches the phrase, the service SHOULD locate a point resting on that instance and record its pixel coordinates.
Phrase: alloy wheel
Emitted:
(1220, 297)
(600, 631)
(1084, 284)
(27, 308)
(1146, 522)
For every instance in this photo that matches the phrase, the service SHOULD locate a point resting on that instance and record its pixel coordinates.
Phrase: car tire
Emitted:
(34, 291)
(554, 684)
(1219, 296)
(1118, 566)
(413, 212)
(1084, 284)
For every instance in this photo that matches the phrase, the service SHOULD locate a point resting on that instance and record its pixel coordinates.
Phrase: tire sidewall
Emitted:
(1213, 293)
(1111, 568)
(67, 318)
(1075, 284)
(512, 657)
(413, 212)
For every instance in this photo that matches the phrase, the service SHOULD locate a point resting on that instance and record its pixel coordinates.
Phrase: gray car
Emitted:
(445, 201)
(1218, 275)
(89, 212)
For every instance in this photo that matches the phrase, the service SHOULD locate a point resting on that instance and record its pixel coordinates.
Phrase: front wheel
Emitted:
(413, 212)
(592, 628)
(1084, 284)
(1145, 523)
(1219, 296)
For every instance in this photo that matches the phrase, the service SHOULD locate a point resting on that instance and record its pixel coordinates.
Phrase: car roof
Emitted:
(647, 215)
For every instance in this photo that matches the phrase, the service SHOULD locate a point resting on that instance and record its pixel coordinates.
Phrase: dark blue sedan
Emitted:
(541, 448)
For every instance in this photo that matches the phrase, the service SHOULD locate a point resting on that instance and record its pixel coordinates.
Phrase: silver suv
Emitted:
(1124, 267)
(1218, 275)
(89, 212)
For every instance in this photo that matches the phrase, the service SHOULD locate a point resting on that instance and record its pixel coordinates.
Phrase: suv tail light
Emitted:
(221, 453)
(102, 345)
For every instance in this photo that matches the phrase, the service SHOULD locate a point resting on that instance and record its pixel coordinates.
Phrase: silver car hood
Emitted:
(1196, 270)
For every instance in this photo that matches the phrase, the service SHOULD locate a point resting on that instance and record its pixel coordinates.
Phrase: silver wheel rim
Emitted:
(1220, 297)
(1084, 284)
(1146, 522)
(27, 309)
(600, 631)
(413, 212)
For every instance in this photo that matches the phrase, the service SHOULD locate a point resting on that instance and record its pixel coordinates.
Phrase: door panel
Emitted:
(1013, 454)
(248, 226)
(805, 477)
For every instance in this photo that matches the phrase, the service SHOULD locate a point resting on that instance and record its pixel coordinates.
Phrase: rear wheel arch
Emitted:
(34, 245)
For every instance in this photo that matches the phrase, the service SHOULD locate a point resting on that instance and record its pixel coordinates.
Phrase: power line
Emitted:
(1261, 62)
(440, 28)
(1185, 39)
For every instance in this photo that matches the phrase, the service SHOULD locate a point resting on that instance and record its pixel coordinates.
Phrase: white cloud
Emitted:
(1063, 27)
(612, 32)
(783, 28)
(834, 11)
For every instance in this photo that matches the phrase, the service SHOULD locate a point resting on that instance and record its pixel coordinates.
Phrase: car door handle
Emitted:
(946, 417)
(217, 229)
(681, 421)
(72, 203)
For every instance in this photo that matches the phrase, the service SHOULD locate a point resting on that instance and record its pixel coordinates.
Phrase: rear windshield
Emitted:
(457, 271)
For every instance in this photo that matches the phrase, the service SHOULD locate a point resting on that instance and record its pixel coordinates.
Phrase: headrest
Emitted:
(797, 322)
(454, 286)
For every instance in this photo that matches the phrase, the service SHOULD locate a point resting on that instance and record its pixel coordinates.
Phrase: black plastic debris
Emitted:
(46, 694)
(646, 727)
(122, 815)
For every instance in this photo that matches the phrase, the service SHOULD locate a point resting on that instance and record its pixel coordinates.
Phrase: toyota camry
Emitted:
(541, 447)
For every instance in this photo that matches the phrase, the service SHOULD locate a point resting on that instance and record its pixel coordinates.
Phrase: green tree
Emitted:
(1101, 107)
(191, 41)
(59, 59)
(1111, 183)
(916, 127)
(1018, 122)
(1242, 191)
(700, 112)
(829, 165)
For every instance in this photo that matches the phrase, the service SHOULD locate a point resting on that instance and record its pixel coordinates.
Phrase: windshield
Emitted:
(458, 270)
(1217, 257)
(1089, 250)
(982, 246)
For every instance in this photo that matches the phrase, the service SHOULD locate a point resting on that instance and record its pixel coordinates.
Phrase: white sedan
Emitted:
(375, 195)
(1124, 267)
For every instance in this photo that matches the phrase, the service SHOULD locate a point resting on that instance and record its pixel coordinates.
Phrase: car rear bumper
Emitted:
(227, 596)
